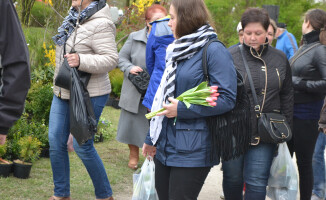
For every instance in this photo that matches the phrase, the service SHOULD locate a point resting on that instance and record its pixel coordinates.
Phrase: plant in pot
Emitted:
(30, 149)
(5, 166)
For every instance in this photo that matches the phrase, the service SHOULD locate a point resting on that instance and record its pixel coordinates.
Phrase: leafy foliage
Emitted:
(30, 148)
(116, 78)
(41, 15)
(3, 149)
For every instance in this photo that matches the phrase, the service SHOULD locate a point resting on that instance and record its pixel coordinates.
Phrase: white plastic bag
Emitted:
(144, 183)
(283, 178)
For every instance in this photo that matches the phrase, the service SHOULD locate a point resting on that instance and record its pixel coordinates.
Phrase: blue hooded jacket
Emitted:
(158, 40)
(286, 42)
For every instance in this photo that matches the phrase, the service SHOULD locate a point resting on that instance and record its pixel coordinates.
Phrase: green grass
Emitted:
(39, 186)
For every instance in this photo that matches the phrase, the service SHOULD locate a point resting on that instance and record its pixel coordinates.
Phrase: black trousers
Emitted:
(305, 133)
(179, 183)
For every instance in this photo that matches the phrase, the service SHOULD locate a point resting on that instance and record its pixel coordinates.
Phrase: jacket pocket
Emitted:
(279, 79)
(188, 140)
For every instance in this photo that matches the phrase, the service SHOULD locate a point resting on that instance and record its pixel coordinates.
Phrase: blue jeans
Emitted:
(318, 165)
(58, 137)
(253, 169)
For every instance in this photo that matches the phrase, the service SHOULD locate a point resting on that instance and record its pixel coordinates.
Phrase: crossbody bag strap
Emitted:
(204, 58)
(251, 83)
(303, 52)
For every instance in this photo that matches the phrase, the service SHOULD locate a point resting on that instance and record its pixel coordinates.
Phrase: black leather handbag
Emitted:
(140, 81)
(272, 127)
(63, 78)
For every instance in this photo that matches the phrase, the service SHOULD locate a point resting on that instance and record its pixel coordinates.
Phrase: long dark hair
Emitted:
(317, 19)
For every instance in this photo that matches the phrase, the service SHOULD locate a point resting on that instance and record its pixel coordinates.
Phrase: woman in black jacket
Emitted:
(271, 75)
(309, 82)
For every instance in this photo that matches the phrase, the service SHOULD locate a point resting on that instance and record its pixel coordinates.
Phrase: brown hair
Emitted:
(255, 15)
(152, 9)
(191, 15)
(273, 23)
(317, 19)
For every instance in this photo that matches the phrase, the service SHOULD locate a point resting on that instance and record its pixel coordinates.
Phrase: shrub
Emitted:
(41, 15)
(38, 102)
(103, 128)
(30, 149)
(116, 79)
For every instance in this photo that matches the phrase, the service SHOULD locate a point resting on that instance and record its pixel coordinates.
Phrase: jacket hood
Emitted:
(103, 13)
(311, 37)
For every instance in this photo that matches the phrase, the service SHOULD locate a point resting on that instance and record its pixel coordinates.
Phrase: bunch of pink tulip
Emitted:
(200, 95)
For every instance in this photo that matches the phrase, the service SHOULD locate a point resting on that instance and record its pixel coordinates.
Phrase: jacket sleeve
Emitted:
(14, 61)
(125, 56)
(221, 73)
(291, 46)
(314, 86)
(105, 55)
(286, 95)
(150, 53)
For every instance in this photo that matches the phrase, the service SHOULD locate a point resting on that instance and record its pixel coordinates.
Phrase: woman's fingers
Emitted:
(72, 59)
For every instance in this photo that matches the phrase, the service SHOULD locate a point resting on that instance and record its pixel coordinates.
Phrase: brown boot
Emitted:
(133, 156)
(59, 198)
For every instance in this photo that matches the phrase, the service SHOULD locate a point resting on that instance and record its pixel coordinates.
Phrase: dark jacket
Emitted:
(309, 71)
(188, 142)
(158, 40)
(14, 67)
(279, 96)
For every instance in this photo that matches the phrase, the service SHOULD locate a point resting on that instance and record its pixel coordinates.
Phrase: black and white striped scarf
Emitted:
(181, 49)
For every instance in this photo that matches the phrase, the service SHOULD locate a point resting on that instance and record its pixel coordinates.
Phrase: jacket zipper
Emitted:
(279, 78)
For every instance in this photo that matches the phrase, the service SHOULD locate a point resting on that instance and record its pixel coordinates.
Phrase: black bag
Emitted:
(272, 127)
(83, 124)
(63, 77)
(140, 81)
(231, 131)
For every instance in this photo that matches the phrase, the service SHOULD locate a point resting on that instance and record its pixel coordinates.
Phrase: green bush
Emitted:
(30, 149)
(41, 15)
(116, 79)
(38, 102)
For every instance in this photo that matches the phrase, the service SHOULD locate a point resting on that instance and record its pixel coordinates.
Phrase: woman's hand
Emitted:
(73, 59)
(171, 110)
(135, 70)
(148, 150)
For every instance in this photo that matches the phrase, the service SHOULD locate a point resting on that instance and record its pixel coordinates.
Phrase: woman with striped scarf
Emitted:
(180, 135)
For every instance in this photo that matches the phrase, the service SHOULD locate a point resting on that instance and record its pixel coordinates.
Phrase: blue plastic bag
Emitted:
(144, 182)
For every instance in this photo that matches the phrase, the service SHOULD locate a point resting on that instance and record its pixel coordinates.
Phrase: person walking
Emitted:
(271, 75)
(309, 82)
(180, 134)
(96, 53)
(14, 68)
(133, 125)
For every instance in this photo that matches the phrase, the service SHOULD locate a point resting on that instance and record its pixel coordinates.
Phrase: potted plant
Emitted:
(5, 166)
(30, 149)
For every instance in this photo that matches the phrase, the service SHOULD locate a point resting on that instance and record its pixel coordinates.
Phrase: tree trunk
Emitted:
(127, 3)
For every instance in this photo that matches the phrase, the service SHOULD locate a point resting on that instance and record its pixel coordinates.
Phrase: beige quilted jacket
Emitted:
(95, 44)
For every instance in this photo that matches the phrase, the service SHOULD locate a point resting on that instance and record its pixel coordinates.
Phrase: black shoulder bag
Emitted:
(140, 81)
(272, 127)
(230, 132)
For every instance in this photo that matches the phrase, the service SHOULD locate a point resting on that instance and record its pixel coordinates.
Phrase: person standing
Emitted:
(318, 159)
(271, 31)
(286, 42)
(159, 38)
(309, 82)
(180, 134)
(271, 76)
(14, 68)
(96, 53)
(133, 125)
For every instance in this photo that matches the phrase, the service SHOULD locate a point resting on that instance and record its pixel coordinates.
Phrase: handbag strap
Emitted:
(204, 57)
(303, 52)
(251, 83)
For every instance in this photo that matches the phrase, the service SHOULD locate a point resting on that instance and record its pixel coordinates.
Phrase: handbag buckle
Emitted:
(257, 108)
(255, 143)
